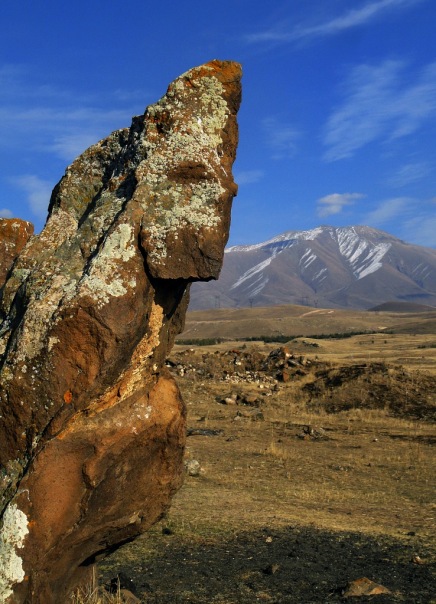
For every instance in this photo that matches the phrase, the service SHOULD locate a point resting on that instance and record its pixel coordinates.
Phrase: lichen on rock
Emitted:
(14, 530)
(92, 426)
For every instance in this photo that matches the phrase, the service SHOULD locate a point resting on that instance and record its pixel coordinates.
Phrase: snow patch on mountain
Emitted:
(363, 256)
(307, 258)
(421, 271)
(254, 271)
(322, 273)
(256, 290)
(290, 237)
(372, 262)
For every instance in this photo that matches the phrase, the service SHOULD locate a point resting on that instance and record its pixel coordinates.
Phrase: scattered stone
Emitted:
(251, 400)
(313, 433)
(204, 432)
(193, 467)
(240, 366)
(121, 581)
(128, 598)
(271, 569)
(364, 587)
(228, 400)
(253, 414)
(284, 375)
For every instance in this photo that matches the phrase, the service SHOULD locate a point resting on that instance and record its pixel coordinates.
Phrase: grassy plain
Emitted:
(320, 480)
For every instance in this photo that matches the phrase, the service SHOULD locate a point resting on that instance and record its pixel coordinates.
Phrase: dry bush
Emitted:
(93, 593)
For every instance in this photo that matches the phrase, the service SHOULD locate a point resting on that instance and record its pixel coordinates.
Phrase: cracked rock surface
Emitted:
(92, 425)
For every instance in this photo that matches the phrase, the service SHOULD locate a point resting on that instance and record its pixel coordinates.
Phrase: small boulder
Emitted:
(364, 587)
(193, 467)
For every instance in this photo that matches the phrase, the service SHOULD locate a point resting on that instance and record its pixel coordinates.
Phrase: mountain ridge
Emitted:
(333, 267)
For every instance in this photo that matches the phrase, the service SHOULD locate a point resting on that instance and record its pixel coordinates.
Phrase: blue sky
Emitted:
(337, 124)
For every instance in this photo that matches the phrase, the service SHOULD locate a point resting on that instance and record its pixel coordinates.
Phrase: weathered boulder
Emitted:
(92, 425)
(14, 234)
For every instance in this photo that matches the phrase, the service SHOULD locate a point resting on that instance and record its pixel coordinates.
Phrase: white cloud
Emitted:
(388, 210)
(247, 177)
(43, 118)
(335, 203)
(38, 193)
(5, 213)
(378, 104)
(421, 229)
(352, 18)
(281, 137)
(64, 132)
(410, 218)
(70, 146)
(409, 173)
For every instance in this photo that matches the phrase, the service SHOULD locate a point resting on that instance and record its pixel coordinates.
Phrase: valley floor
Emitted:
(295, 496)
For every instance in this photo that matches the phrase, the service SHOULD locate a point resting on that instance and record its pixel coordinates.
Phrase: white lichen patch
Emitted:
(198, 114)
(142, 413)
(51, 342)
(12, 534)
(106, 278)
(40, 311)
(60, 226)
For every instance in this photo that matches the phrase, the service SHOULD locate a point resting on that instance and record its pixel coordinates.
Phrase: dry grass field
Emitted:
(301, 320)
(316, 467)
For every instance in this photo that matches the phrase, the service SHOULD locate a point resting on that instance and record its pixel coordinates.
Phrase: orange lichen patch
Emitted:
(225, 71)
(68, 397)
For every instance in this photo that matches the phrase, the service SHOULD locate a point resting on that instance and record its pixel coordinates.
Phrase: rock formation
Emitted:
(92, 426)
(14, 234)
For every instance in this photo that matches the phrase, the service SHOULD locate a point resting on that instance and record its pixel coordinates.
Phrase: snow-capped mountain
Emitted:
(346, 267)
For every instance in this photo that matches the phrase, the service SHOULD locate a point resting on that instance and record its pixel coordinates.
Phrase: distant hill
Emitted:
(409, 307)
(348, 267)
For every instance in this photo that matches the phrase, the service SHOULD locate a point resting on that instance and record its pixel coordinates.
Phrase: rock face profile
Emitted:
(92, 426)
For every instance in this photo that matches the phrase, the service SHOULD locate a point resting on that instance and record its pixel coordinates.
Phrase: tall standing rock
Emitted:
(92, 427)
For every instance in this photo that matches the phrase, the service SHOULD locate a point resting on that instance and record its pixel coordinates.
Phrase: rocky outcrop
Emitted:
(14, 234)
(92, 425)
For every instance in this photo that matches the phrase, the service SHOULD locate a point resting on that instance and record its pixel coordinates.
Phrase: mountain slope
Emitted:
(346, 267)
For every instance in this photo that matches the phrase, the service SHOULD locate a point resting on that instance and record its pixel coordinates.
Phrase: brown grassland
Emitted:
(305, 484)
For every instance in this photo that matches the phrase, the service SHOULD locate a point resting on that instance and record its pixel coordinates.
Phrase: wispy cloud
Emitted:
(43, 118)
(421, 229)
(248, 177)
(281, 137)
(62, 131)
(410, 218)
(388, 210)
(352, 18)
(335, 203)
(409, 173)
(5, 213)
(38, 193)
(378, 105)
